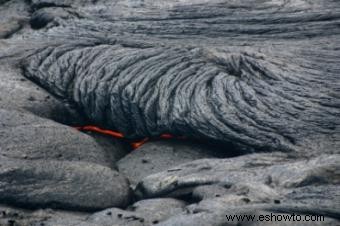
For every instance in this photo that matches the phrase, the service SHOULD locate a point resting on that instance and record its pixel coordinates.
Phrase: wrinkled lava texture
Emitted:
(252, 85)
(258, 75)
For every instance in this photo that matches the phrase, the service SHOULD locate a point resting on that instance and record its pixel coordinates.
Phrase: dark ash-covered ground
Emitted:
(254, 86)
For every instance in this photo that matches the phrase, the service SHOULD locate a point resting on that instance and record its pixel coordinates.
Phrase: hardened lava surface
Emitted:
(251, 89)
(262, 77)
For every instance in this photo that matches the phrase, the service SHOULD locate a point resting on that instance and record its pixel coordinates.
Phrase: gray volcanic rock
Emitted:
(258, 79)
(219, 218)
(31, 177)
(115, 148)
(252, 75)
(156, 156)
(117, 217)
(283, 184)
(50, 16)
(14, 16)
(224, 172)
(10, 216)
(313, 221)
(25, 136)
(159, 209)
(270, 173)
(60, 3)
(61, 184)
(317, 200)
(18, 93)
(145, 212)
(209, 191)
(9, 28)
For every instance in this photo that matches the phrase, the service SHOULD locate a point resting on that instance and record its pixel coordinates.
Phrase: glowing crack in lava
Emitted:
(115, 134)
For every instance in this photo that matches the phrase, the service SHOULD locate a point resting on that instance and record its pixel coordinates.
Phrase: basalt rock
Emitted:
(14, 17)
(142, 213)
(44, 164)
(249, 75)
(258, 182)
(156, 156)
(28, 137)
(61, 184)
(10, 216)
(256, 76)
(18, 93)
(219, 218)
(272, 173)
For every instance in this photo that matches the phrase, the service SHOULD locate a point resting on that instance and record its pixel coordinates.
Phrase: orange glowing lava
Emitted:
(99, 130)
(115, 134)
(137, 144)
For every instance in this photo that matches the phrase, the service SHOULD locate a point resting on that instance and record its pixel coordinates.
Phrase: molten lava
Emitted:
(99, 130)
(115, 134)
(137, 144)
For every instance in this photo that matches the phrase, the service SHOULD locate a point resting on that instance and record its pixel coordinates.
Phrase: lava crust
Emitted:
(270, 83)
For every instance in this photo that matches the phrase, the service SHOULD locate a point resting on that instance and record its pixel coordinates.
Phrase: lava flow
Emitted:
(115, 134)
